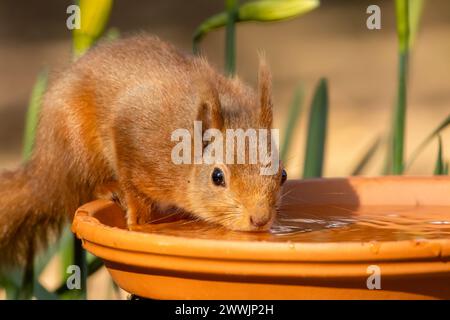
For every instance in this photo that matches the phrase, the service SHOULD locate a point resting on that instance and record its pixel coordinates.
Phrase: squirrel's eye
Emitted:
(218, 177)
(283, 176)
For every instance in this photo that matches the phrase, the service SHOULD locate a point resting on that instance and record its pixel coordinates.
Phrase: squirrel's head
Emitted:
(240, 178)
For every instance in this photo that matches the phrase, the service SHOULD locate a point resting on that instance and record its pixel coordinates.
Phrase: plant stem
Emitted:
(230, 37)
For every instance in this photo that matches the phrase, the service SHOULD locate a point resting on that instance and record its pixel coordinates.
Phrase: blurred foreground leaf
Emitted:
(72, 254)
(11, 282)
(21, 282)
(94, 264)
(32, 116)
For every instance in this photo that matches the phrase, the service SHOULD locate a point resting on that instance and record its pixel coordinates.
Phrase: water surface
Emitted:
(328, 224)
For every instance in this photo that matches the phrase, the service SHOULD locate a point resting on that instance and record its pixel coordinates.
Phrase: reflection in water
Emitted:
(328, 224)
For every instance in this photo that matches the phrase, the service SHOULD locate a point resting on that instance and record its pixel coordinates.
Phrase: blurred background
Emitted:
(331, 41)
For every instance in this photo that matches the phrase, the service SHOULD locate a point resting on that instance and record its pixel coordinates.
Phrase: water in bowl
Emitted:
(328, 224)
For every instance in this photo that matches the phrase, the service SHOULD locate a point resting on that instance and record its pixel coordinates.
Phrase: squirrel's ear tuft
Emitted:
(209, 108)
(265, 93)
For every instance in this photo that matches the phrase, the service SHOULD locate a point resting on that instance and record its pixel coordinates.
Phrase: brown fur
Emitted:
(105, 129)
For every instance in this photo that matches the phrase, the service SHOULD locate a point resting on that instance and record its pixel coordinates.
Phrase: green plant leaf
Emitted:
(66, 250)
(408, 13)
(427, 140)
(397, 142)
(367, 156)
(32, 116)
(261, 10)
(317, 131)
(439, 168)
(80, 260)
(94, 17)
(93, 266)
(42, 293)
(28, 280)
(68, 257)
(292, 121)
(275, 10)
(11, 281)
(398, 137)
(415, 13)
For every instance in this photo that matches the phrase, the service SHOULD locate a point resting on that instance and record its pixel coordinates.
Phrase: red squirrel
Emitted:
(105, 128)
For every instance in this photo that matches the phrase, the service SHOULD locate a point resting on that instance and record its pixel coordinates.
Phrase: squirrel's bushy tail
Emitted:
(28, 219)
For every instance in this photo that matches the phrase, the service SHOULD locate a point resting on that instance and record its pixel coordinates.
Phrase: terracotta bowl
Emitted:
(165, 262)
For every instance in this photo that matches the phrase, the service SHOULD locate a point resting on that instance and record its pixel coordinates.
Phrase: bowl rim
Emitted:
(90, 229)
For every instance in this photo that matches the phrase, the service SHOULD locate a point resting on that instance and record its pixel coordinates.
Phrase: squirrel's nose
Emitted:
(259, 221)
